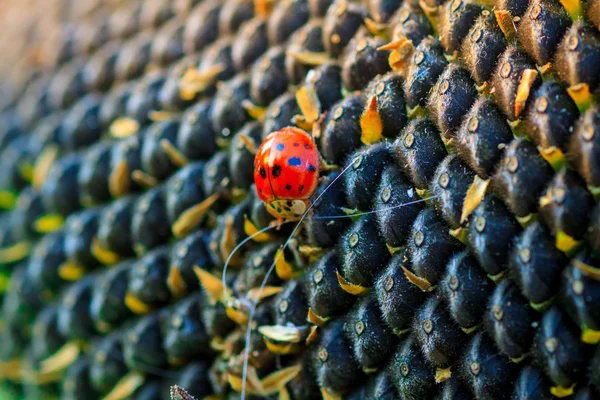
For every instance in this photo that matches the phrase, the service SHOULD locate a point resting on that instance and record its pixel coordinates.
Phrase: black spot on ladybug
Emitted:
(279, 147)
(288, 186)
(294, 161)
(262, 172)
(311, 168)
(276, 171)
(307, 146)
(301, 188)
(296, 144)
(260, 191)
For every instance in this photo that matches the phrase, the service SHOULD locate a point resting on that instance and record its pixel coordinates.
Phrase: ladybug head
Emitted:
(288, 210)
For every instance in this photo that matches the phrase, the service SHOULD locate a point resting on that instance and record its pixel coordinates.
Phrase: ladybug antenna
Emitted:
(374, 211)
(254, 301)
(235, 249)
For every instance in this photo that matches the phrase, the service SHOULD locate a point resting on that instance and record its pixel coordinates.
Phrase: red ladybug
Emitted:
(286, 172)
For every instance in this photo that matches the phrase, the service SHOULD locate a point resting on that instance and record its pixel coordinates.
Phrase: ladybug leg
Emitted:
(277, 223)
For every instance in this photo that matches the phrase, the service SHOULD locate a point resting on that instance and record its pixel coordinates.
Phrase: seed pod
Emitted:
(486, 371)
(306, 39)
(419, 151)
(27, 211)
(377, 387)
(286, 18)
(577, 56)
(171, 96)
(483, 136)
(565, 206)
(426, 65)
(584, 149)
(290, 306)
(227, 114)
(184, 190)
(369, 336)
(126, 157)
(491, 231)
(218, 63)
(233, 14)
(440, 338)
(482, 46)
(107, 306)
(449, 187)
(531, 384)
(114, 229)
(550, 121)
(142, 344)
(410, 22)
(167, 46)
(521, 177)
(457, 18)
(67, 85)
(144, 97)
(454, 389)
(149, 222)
(195, 378)
(450, 99)
(593, 236)
(155, 159)
(325, 296)
(280, 114)
(184, 335)
(535, 264)
(466, 289)
(147, 286)
(250, 43)
(558, 350)
(510, 320)
(341, 23)
(44, 263)
(202, 26)
(74, 321)
(327, 221)
(80, 229)
(509, 83)
(341, 132)
(411, 374)
(215, 320)
(382, 10)
(196, 138)
(578, 296)
(391, 105)
(394, 211)
(318, 8)
(332, 360)
(586, 393)
(99, 71)
(541, 28)
(363, 62)
(107, 364)
(398, 298)
(94, 175)
(367, 163)
(21, 304)
(20, 153)
(76, 382)
(431, 246)
(516, 7)
(47, 340)
(60, 192)
(81, 126)
(362, 252)
(326, 81)
(268, 76)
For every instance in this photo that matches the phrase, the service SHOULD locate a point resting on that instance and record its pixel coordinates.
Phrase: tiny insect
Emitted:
(286, 172)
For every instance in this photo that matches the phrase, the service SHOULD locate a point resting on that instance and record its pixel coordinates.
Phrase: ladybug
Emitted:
(286, 172)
